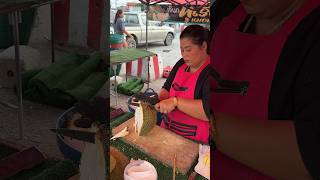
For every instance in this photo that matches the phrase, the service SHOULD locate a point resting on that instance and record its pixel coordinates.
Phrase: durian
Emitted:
(145, 118)
(92, 163)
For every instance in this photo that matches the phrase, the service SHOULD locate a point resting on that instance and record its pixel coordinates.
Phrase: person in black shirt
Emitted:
(181, 96)
(274, 131)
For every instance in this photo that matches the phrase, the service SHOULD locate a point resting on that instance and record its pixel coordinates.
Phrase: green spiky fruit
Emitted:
(145, 118)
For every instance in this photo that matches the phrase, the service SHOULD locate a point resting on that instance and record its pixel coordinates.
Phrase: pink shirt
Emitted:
(241, 56)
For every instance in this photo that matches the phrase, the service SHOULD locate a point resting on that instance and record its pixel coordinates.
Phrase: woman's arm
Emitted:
(127, 33)
(191, 107)
(267, 146)
(122, 27)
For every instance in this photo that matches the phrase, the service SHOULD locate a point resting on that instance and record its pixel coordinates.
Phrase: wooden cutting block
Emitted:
(121, 162)
(162, 145)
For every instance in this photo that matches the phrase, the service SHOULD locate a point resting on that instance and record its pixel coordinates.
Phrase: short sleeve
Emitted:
(121, 24)
(205, 97)
(306, 112)
(172, 75)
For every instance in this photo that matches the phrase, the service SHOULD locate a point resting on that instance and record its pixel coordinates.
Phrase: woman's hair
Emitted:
(117, 15)
(198, 34)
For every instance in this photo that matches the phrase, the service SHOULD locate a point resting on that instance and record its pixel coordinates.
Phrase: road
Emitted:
(169, 54)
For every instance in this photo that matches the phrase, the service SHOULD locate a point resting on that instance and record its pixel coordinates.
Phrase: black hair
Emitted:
(198, 34)
(117, 15)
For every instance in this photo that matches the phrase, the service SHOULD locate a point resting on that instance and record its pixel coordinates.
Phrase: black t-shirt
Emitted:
(295, 90)
(202, 88)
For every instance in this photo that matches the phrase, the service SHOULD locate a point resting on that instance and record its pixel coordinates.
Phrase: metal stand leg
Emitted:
(148, 59)
(52, 33)
(126, 73)
(15, 20)
(115, 83)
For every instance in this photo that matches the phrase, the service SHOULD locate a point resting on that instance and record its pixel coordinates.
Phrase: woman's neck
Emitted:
(265, 26)
(195, 68)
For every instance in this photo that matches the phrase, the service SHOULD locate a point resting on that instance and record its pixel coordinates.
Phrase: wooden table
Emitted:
(162, 144)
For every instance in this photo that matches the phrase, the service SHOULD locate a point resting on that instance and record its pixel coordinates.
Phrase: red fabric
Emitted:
(128, 68)
(139, 67)
(116, 46)
(156, 66)
(95, 19)
(189, 80)
(23, 160)
(240, 56)
(61, 11)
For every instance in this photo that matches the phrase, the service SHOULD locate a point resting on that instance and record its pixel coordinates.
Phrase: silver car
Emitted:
(135, 23)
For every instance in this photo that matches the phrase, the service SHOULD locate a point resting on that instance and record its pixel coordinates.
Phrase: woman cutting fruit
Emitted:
(182, 93)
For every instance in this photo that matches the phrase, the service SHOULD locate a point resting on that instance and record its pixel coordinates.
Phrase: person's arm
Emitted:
(122, 27)
(267, 146)
(192, 107)
(127, 33)
(197, 108)
(283, 149)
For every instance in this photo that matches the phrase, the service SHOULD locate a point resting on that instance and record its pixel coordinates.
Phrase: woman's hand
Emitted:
(165, 106)
(163, 94)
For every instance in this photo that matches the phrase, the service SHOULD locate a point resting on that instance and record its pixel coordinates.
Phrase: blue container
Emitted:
(68, 152)
(116, 42)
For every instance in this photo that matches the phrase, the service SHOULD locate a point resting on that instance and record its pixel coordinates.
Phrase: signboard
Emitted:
(179, 13)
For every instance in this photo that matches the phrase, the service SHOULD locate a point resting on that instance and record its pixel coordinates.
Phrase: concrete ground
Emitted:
(169, 54)
(38, 118)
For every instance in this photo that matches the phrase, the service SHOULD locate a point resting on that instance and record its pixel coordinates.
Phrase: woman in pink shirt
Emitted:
(182, 94)
(272, 132)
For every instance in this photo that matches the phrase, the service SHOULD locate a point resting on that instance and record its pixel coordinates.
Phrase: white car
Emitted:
(135, 24)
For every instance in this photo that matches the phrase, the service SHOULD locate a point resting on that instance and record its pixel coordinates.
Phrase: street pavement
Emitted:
(169, 54)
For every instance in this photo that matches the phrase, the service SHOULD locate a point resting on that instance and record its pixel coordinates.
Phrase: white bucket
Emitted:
(140, 170)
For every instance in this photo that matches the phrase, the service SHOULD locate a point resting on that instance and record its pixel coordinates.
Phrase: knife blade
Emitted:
(76, 134)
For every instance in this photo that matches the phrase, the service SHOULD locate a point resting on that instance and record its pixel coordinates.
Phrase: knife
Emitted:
(76, 134)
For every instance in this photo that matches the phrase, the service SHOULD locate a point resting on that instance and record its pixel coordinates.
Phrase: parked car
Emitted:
(135, 23)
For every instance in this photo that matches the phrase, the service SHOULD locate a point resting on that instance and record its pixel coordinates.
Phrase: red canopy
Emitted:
(178, 2)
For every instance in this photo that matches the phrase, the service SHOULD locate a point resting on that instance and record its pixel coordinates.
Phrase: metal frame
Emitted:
(14, 12)
(148, 3)
(114, 67)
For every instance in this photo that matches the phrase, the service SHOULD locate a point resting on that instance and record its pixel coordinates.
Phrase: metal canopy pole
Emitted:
(147, 11)
(52, 33)
(15, 19)
(115, 82)
(148, 58)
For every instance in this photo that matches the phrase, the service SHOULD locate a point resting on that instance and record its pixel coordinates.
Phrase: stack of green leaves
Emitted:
(132, 86)
(70, 79)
